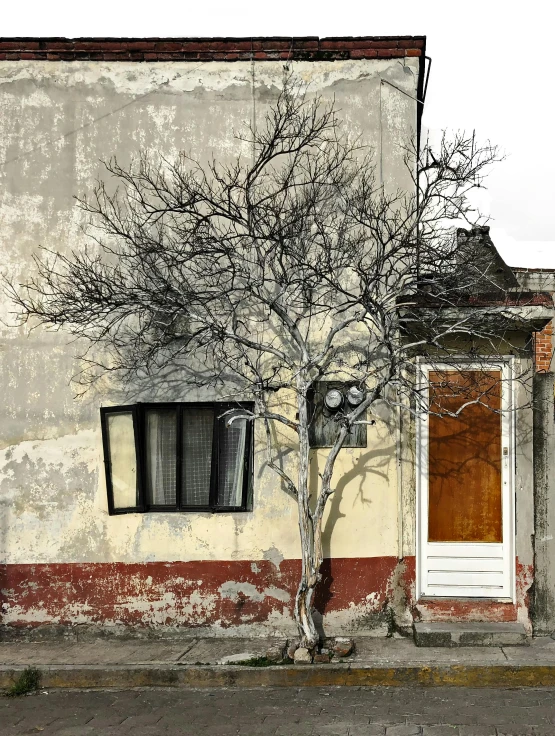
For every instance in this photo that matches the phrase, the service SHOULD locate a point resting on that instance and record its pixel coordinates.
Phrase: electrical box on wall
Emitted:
(323, 425)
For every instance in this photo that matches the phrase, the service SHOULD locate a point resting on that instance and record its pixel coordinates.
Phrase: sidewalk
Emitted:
(198, 663)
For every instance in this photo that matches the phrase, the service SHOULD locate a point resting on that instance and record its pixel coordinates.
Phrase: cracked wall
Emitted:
(63, 559)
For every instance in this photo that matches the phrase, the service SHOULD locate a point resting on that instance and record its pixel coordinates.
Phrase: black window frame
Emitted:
(138, 413)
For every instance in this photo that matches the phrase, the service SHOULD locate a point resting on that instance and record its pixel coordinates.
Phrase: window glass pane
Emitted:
(161, 434)
(198, 428)
(123, 461)
(231, 465)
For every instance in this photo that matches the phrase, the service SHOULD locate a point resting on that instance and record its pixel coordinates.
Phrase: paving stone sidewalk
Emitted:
(212, 651)
(204, 662)
(284, 712)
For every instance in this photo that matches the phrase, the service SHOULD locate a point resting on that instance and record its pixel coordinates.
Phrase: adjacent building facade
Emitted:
(222, 562)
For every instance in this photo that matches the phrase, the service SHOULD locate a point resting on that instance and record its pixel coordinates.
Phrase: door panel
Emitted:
(465, 457)
(465, 480)
(467, 578)
(465, 564)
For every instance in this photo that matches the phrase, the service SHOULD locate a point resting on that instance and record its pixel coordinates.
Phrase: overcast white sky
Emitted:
(492, 71)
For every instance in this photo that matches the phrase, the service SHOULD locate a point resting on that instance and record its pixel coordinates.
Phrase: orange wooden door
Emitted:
(464, 457)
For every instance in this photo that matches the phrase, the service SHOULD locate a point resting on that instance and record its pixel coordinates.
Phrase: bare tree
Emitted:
(264, 277)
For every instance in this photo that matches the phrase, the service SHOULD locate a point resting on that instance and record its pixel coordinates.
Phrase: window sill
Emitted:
(185, 510)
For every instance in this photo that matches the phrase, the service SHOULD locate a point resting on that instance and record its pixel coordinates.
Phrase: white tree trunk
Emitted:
(310, 523)
(310, 537)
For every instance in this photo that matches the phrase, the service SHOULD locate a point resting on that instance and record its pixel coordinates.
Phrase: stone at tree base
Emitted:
(235, 658)
(322, 657)
(276, 653)
(291, 649)
(302, 656)
(343, 647)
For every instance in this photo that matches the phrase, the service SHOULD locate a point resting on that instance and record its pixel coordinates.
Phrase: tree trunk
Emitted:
(310, 577)
(310, 565)
(310, 525)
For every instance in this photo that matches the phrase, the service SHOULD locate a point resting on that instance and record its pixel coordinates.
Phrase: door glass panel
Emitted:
(464, 497)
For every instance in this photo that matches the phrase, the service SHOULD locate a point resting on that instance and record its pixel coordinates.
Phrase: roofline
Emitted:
(247, 48)
(262, 48)
(494, 299)
(523, 269)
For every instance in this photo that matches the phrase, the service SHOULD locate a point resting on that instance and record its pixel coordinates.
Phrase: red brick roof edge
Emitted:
(300, 48)
(522, 299)
(531, 269)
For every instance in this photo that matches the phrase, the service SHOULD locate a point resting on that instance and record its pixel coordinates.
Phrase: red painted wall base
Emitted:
(226, 594)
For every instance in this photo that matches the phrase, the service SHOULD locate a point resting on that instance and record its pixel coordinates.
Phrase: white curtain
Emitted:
(161, 427)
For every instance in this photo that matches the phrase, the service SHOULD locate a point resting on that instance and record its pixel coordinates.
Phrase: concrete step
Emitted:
(470, 634)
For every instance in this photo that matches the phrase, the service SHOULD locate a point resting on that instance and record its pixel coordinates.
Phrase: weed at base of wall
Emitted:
(27, 682)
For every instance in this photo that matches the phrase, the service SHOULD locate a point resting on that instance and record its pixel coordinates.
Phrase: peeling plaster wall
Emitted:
(524, 498)
(544, 544)
(62, 558)
(250, 598)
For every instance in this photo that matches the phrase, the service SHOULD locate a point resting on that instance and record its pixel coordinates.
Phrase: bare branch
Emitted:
(260, 278)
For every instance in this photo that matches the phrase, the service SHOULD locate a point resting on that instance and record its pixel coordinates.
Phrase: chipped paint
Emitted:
(479, 609)
(274, 556)
(63, 559)
(222, 597)
(355, 596)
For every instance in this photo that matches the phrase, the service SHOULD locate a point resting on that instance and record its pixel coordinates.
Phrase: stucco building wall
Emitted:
(63, 559)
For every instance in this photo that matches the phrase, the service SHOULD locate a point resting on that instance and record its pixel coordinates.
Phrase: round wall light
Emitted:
(333, 399)
(355, 396)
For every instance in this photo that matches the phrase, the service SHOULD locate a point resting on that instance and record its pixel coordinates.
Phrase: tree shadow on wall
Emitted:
(370, 465)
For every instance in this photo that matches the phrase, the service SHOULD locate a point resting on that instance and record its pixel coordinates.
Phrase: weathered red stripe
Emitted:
(226, 593)
(181, 593)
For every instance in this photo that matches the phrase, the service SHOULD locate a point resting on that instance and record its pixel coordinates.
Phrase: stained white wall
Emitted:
(57, 121)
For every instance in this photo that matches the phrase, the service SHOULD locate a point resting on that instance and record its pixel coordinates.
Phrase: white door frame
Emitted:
(474, 551)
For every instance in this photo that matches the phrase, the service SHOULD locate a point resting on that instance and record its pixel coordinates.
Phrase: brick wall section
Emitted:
(543, 348)
(307, 48)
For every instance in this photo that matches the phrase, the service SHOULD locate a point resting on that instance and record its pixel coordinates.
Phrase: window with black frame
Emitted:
(176, 457)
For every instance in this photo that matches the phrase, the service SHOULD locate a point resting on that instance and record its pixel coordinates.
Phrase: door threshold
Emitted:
(468, 599)
(469, 634)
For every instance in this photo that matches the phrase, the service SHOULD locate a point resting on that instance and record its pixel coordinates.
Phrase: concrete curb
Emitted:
(130, 676)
